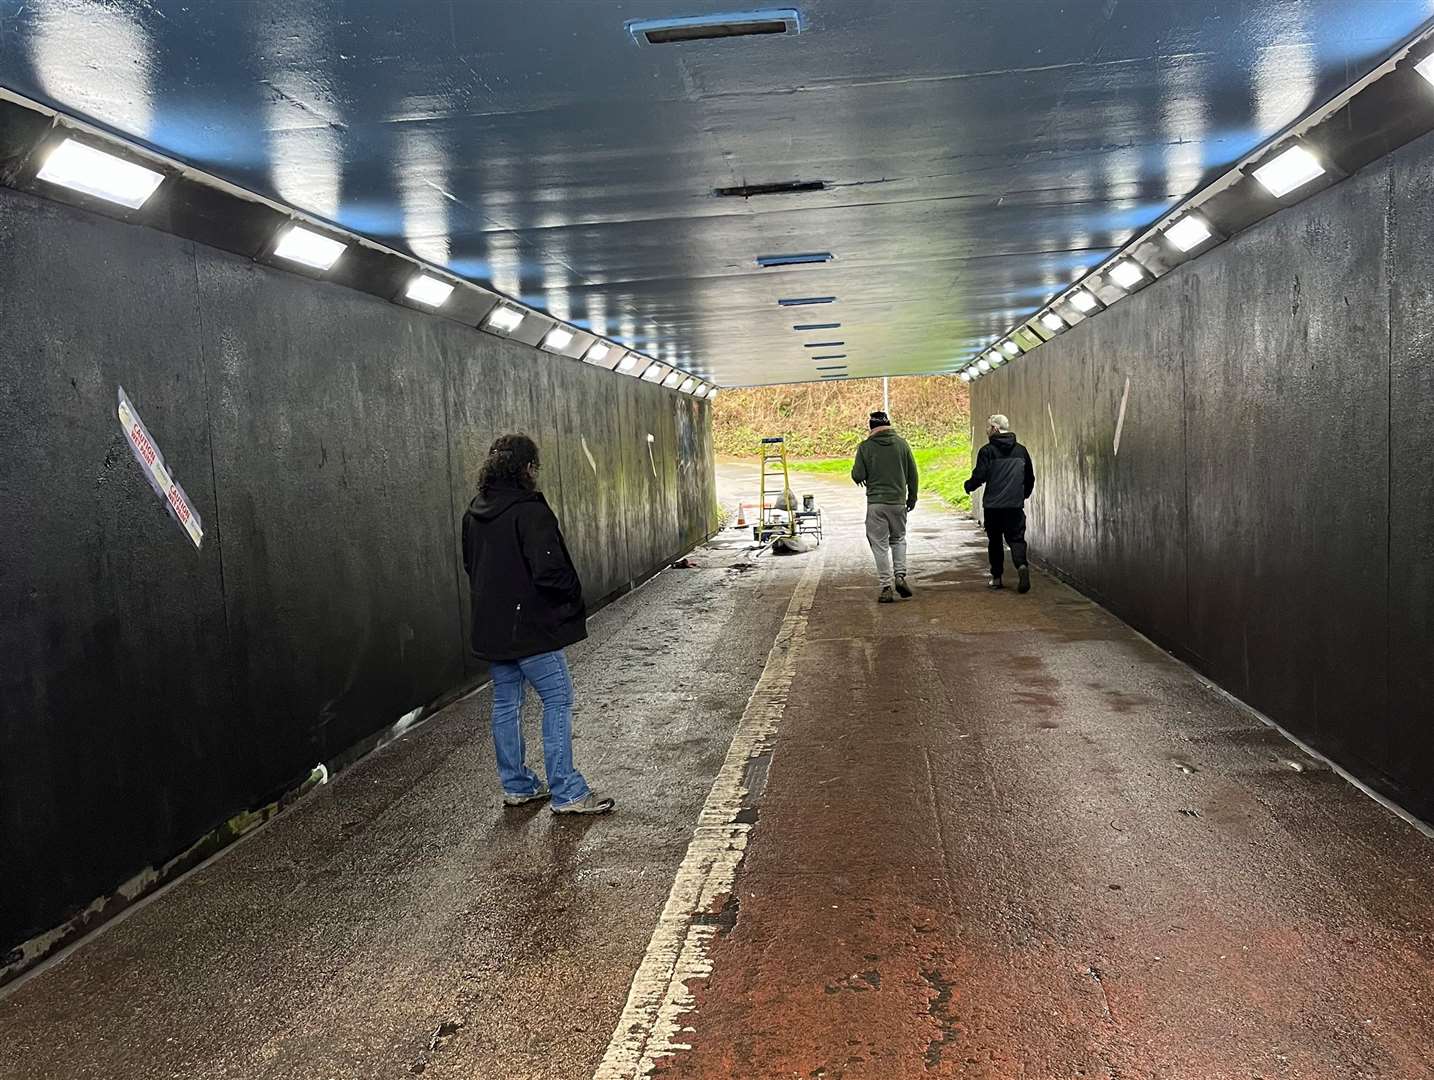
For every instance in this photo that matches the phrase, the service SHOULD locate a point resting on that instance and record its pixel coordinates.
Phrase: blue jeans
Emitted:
(548, 672)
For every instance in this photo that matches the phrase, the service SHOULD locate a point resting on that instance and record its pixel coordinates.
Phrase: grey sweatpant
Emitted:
(886, 533)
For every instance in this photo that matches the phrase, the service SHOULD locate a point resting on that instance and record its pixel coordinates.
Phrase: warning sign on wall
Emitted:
(159, 476)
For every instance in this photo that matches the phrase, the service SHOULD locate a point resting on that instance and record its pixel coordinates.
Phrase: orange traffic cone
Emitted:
(741, 515)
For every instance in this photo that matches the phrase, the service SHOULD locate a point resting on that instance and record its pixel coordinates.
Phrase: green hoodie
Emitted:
(886, 465)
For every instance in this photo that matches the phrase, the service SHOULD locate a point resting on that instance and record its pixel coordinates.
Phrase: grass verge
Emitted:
(943, 470)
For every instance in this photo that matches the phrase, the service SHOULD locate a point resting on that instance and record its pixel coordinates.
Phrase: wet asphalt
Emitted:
(1003, 837)
(399, 921)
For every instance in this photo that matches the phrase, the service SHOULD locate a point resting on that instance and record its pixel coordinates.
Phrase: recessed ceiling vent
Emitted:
(803, 259)
(785, 187)
(711, 27)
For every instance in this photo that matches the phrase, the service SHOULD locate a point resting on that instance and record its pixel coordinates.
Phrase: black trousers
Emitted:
(1009, 524)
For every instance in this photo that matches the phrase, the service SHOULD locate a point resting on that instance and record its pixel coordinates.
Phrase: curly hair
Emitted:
(507, 463)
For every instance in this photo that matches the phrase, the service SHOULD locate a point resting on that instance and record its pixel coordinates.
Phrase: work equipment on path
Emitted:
(783, 522)
(777, 514)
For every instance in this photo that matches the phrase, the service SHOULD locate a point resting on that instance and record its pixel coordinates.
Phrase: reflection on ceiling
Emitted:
(960, 161)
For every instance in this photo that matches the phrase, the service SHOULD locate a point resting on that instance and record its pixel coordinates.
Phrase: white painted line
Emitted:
(588, 454)
(1120, 420)
(1055, 444)
(653, 1021)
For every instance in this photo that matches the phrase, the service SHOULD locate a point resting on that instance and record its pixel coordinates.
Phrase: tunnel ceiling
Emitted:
(972, 156)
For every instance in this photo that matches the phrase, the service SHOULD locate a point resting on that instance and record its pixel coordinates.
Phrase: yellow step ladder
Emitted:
(774, 465)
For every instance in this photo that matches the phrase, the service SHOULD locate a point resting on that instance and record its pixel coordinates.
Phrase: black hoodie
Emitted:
(526, 595)
(1004, 466)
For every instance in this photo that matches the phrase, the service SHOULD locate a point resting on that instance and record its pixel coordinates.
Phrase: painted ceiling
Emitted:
(973, 155)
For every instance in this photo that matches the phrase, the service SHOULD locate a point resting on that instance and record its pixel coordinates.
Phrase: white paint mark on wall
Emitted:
(653, 1019)
(588, 454)
(1055, 444)
(142, 445)
(1120, 420)
(650, 459)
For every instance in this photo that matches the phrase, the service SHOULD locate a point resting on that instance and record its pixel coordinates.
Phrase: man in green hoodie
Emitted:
(886, 467)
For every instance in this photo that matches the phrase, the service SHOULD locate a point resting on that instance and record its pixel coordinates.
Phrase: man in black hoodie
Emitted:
(527, 605)
(1004, 466)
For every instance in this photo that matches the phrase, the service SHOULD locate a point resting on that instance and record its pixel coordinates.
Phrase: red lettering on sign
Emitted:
(179, 505)
(146, 450)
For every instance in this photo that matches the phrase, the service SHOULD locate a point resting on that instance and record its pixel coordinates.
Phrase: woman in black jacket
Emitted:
(527, 606)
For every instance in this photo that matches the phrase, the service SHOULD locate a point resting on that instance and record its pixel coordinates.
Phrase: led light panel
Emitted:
(1189, 232)
(93, 172)
(309, 248)
(1293, 169)
(429, 291)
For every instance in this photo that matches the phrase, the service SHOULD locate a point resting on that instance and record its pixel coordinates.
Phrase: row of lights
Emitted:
(90, 171)
(1282, 175)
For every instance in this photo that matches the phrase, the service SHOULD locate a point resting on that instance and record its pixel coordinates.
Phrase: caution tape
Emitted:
(142, 445)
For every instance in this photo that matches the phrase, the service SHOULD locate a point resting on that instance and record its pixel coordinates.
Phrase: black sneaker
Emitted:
(886, 596)
(1025, 585)
(995, 583)
(903, 589)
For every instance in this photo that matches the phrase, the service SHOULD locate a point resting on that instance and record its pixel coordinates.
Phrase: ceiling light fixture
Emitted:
(1126, 273)
(558, 339)
(309, 248)
(1010, 348)
(673, 378)
(628, 362)
(1189, 232)
(984, 365)
(429, 291)
(1083, 301)
(1293, 169)
(1425, 67)
(1053, 322)
(504, 318)
(89, 171)
(598, 353)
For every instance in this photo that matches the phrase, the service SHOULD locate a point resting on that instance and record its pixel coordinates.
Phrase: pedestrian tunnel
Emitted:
(275, 281)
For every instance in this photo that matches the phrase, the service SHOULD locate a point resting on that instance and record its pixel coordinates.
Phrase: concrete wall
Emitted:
(330, 441)
(1270, 513)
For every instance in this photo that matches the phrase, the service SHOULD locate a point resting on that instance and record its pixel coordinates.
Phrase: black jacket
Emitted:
(1004, 466)
(527, 598)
